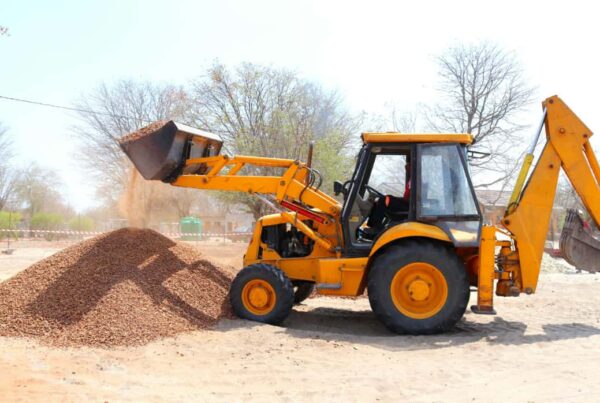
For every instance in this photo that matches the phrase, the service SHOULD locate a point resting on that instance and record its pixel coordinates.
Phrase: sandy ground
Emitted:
(544, 347)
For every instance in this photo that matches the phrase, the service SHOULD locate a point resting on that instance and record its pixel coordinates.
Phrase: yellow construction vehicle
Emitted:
(415, 241)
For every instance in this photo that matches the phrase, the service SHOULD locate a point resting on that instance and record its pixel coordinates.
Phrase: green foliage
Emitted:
(9, 220)
(5, 217)
(38, 191)
(81, 223)
(47, 221)
(270, 112)
(50, 221)
(333, 163)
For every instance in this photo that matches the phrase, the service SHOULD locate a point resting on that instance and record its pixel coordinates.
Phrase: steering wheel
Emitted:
(373, 192)
(346, 185)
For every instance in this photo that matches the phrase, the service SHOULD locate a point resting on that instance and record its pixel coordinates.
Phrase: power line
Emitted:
(89, 111)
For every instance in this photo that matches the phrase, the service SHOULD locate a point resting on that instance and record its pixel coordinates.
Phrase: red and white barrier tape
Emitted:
(169, 234)
(43, 231)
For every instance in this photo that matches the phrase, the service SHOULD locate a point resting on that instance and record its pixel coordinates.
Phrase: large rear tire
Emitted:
(262, 293)
(418, 287)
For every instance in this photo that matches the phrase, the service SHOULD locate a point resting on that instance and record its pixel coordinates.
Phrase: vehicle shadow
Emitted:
(362, 327)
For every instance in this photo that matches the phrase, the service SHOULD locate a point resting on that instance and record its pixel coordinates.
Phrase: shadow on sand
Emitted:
(362, 327)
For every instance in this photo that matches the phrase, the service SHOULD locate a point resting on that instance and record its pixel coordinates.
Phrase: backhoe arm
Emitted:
(528, 215)
(528, 221)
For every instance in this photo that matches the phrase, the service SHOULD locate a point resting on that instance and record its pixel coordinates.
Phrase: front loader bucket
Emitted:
(577, 244)
(159, 151)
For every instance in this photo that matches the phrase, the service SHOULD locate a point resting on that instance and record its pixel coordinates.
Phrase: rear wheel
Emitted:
(262, 293)
(302, 290)
(418, 287)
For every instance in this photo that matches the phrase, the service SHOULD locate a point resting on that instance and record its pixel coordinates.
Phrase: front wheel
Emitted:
(302, 290)
(262, 293)
(418, 287)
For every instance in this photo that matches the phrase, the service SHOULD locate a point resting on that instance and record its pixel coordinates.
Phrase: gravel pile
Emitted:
(556, 265)
(126, 287)
(144, 131)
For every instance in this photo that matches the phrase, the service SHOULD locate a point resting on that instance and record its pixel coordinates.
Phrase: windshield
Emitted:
(388, 174)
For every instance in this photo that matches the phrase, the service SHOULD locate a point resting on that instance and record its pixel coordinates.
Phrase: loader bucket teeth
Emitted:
(159, 151)
(577, 244)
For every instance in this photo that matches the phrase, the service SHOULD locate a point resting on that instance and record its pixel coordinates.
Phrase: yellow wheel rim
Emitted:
(258, 297)
(419, 290)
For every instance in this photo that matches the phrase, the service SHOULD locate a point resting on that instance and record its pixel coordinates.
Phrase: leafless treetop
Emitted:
(484, 89)
(123, 107)
(7, 174)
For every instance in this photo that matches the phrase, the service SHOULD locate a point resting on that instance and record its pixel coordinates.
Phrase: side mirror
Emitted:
(338, 188)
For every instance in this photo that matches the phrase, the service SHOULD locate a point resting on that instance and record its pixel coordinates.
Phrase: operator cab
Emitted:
(401, 178)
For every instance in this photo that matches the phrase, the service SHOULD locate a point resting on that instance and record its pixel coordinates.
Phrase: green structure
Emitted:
(191, 227)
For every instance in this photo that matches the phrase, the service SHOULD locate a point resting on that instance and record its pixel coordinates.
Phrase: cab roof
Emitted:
(395, 137)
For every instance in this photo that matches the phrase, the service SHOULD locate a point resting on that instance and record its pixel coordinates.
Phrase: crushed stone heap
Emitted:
(126, 287)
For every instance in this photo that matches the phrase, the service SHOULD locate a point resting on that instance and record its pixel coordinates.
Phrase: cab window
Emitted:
(445, 190)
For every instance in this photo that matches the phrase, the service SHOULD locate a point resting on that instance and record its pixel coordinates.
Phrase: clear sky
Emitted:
(373, 52)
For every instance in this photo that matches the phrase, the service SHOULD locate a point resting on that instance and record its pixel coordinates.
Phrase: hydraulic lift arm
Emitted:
(291, 187)
(292, 190)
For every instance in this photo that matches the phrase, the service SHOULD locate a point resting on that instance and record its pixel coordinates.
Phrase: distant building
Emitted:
(493, 204)
(226, 222)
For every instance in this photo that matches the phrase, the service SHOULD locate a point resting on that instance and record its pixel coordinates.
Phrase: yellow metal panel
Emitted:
(409, 229)
(568, 134)
(285, 181)
(350, 271)
(394, 137)
(330, 271)
(348, 276)
(529, 220)
(299, 268)
(592, 160)
(485, 282)
(250, 184)
(313, 197)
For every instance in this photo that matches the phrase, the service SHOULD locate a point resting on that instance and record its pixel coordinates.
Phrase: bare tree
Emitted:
(484, 90)
(272, 112)
(8, 174)
(37, 190)
(121, 108)
(3, 30)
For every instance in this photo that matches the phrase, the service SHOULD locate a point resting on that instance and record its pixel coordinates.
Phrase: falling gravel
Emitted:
(122, 288)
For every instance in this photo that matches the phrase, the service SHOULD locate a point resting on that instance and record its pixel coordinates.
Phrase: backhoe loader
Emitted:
(409, 229)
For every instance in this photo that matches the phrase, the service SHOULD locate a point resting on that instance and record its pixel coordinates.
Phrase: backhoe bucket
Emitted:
(159, 151)
(578, 245)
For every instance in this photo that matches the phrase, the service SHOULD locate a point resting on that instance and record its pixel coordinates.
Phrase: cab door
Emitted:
(445, 194)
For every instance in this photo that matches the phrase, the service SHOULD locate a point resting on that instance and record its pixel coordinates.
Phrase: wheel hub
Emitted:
(418, 290)
(258, 297)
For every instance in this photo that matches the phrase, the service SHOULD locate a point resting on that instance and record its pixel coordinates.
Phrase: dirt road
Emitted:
(544, 347)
